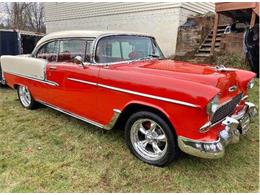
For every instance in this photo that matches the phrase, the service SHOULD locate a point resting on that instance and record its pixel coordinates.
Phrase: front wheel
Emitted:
(150, 138)
(25, 97)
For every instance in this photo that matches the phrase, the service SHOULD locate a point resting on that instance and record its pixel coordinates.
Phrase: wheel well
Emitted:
(133, 108)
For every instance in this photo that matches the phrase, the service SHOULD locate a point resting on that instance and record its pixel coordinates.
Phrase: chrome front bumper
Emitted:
(234, 126)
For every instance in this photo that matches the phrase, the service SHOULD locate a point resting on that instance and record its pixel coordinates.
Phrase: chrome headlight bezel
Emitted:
(251, 83)
(213, 105)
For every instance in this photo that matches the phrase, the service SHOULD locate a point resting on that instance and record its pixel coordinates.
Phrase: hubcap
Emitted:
(148, 139)
(25, 96)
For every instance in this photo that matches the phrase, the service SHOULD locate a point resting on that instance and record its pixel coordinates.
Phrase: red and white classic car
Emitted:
(109, 78)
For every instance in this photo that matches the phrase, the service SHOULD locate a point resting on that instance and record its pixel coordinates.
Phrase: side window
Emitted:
(108, 50)
(118, 48)
(89, 49)
(126, 49)
(116, 52)
(48, 51)
(69, 49)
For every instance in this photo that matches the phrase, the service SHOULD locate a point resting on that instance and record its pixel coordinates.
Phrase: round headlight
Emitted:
(251, 84)
(213, 105)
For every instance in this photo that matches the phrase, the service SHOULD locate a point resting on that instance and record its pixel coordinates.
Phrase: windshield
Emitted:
(118, 48)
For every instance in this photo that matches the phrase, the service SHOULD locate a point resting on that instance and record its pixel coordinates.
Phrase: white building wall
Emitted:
(158, 19)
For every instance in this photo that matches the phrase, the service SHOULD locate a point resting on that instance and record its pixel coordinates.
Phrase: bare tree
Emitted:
(3, 16)
(26, 16)
(17, 14)
(35, 15)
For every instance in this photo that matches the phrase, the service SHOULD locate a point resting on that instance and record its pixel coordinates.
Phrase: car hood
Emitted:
(203, 73)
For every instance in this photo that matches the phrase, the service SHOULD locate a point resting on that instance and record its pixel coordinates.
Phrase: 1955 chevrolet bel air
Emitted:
(110, 78)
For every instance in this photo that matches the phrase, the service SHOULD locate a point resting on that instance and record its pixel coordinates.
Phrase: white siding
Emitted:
(199, 7)
(65, 11)
(190, 8)
(158, 19)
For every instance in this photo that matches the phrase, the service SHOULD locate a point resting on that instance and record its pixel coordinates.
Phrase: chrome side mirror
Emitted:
(78, 60)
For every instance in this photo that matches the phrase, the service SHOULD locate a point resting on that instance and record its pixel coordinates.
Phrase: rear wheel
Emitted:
(1, 77)
(150, 138)
(25, 97)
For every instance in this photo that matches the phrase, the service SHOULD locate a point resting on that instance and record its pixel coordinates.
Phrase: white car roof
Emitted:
(84, 33)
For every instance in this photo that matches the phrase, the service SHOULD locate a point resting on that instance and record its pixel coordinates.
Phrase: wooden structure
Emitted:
(246, 12)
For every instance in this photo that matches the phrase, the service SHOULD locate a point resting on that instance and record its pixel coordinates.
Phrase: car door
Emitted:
(48, 93)
(77, 88)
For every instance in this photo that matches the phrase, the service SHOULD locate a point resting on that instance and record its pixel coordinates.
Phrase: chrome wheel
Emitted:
(25, 96)
(148, 139)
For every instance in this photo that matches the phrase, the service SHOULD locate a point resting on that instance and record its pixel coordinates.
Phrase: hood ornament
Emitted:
(222, 68)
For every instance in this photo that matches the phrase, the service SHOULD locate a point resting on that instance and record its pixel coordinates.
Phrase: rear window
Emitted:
(48, 51)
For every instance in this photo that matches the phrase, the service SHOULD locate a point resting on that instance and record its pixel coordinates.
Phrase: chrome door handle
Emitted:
(53, 67)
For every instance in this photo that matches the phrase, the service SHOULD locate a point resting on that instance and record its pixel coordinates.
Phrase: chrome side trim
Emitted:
(35, 79)
(149, 96)
(113, 120)
(136, 93)
(81, 81)
(109, 126)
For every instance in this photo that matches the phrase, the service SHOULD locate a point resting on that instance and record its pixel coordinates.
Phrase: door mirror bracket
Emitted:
(79, 60)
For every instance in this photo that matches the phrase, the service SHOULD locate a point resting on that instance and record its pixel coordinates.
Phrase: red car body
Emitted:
(195, 84)
(179, 90)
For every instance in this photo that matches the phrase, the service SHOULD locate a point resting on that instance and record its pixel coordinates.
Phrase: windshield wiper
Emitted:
(153, 55)
(149, 57)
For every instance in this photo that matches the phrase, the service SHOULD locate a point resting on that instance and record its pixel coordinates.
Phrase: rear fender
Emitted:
(24, 66)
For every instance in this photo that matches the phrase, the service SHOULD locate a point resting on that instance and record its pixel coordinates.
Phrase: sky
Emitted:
(3, 15)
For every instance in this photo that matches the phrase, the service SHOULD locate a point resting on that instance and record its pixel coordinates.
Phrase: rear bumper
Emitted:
(234, 126)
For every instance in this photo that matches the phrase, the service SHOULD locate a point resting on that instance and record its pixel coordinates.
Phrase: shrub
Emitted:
(232, 60)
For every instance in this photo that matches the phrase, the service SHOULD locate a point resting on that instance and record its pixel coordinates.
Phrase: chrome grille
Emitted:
(226, 109)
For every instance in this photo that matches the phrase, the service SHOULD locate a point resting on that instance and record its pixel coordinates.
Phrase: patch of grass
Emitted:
(232, 60)
(46, 151)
